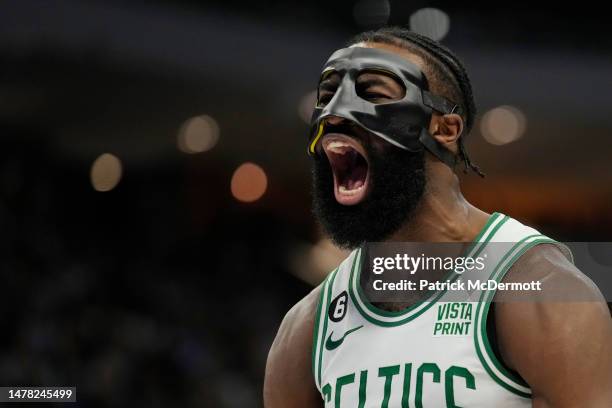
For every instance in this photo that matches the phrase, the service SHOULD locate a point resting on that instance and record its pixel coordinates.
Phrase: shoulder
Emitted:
(565, 293)
(559, 335)
(559, 278)
(289, 380)
(298, 322)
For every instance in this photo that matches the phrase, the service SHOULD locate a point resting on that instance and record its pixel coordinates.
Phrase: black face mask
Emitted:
(403, 123)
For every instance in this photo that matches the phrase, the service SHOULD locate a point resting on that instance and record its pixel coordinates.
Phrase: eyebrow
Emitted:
(374, 79)
(327, 85)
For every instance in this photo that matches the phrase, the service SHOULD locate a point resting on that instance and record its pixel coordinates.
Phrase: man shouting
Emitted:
(393, 110)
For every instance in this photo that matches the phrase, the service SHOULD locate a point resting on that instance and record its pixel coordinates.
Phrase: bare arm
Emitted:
(563, 349)
(289, 382)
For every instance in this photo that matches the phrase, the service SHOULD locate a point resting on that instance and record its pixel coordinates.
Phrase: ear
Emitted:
(446, 130)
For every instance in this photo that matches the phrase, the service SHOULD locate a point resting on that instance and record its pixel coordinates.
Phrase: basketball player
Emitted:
(392, 112)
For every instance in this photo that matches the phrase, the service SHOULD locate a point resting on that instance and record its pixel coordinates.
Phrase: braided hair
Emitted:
(447, 76)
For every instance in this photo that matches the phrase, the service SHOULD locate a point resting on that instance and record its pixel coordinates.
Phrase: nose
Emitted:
(334, 120)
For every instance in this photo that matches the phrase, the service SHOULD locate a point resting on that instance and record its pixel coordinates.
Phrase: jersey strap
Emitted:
(320, 326)
(489, 360)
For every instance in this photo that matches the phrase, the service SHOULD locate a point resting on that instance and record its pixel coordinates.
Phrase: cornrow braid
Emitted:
(450, 77)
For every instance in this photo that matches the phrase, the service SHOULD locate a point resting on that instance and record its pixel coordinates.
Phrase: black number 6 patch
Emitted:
(337, 308)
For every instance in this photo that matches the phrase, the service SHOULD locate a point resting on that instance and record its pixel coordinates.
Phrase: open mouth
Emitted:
(349, 163)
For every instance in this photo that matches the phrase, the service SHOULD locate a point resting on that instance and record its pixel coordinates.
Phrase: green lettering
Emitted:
(453, 312)
(437, 327)
(449, 386)
(441, 310)
(388, 373)
(461, 327)
(425, 368)
(363, 380)
(341, 382)
(468, 313)
(406, 390)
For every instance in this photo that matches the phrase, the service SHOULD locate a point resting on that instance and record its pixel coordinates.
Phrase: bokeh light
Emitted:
(372, 13)
(106, 172)
(503, 125)
(430, 22)
(198, 134)
(312, 263)
(249, 182)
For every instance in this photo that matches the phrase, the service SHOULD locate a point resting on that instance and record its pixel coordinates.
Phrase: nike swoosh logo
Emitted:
(331, 344)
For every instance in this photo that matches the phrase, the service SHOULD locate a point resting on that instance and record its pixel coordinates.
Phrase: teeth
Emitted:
(338, 147)
(346, 191)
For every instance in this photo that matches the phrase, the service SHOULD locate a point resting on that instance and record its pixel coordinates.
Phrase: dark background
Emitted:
(166, 290)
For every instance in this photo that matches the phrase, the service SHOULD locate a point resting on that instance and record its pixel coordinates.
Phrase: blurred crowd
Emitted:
(118, 295)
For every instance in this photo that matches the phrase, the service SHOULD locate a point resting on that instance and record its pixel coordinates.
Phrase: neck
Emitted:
(443, 215)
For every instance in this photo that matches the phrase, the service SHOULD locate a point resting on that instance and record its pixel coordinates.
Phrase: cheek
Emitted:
(378, 145)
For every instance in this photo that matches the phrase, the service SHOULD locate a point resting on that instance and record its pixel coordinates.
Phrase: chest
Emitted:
(429, 359)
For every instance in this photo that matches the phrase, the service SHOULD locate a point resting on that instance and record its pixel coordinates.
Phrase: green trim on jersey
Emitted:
(495, 221)
(315, 331)
(496, 370)
(319, 338)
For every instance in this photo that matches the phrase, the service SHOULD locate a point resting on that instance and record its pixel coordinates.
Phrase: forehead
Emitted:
(402, 52)
(376, 56)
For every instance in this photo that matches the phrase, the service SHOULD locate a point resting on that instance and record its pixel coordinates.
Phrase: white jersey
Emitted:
(364, 356)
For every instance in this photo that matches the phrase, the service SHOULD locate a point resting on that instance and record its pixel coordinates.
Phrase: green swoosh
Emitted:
(334, 344)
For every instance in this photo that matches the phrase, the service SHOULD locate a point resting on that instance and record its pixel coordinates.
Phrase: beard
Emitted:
(397, 184)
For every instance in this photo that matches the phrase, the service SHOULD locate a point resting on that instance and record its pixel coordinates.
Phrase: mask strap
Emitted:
(444, 106)
(439, 103)
(445, 155)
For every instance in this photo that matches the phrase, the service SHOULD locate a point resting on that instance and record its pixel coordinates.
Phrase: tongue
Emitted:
(355, 179)
(352, 185)
(351, 188)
